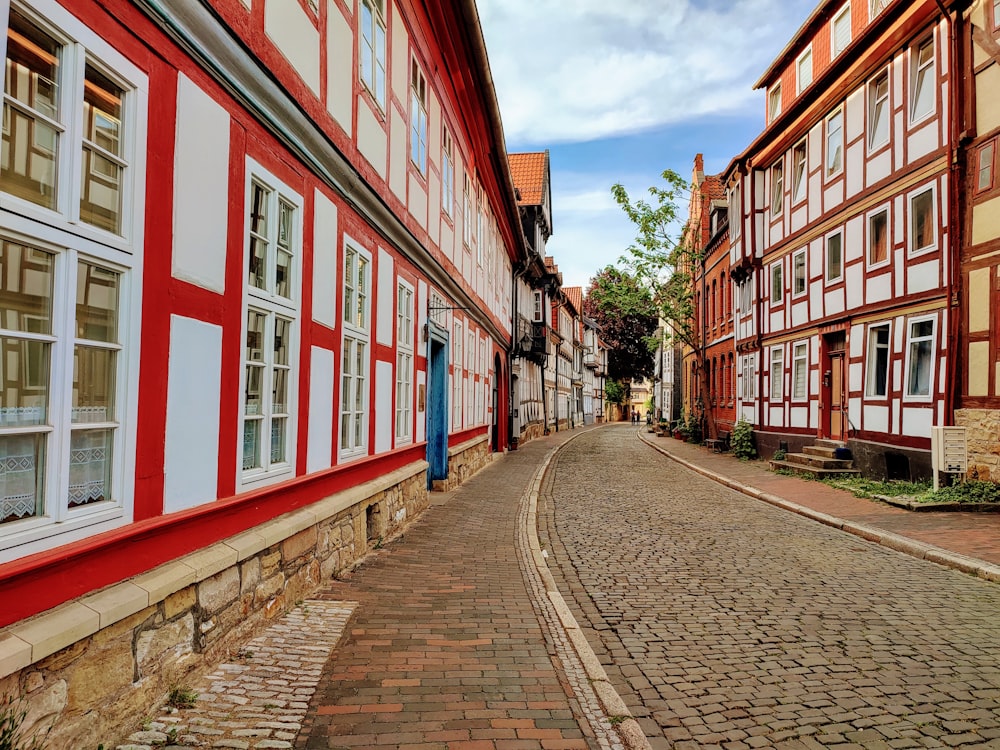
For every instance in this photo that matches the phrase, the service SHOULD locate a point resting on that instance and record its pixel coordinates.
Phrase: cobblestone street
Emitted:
(725, 622)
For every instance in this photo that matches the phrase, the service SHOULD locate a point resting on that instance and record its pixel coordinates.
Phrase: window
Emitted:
(922, 90)
(877, 365)
(748, 390)
(875, 7)
(745, 297)
(447, 173)
(920, 358)
(456, 377)
(467, 212)
(878, 237)
(539, 312)
(735, 226)
(984, 170)
(59, 102)
(774, 103)
(372, 53)
(777, 373)
(273, 241)
(799, 281)
(354, 355)
(804, 70)
(800, 371)
(418, 118)
(799, 171)
(777, 187)
(404, 363)
(835, 142)
(480, 234)
(834, 256)
(878, 111)
(841, 30)
(777, 283)
(994, 22)
(922, 228)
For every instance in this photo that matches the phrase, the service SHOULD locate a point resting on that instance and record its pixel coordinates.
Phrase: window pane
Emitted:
(283, 277)
(278, 447)
(258, 237)
(24, 382)
(89, 467)
(255, 336)
(22, 469)
(96, 303)
(279, 392)
(833, 256)
(254, 385)
(100, 202)
(26, 277)
(922, 224)
(985, 167)
(834, 143)
(251, 443)
(282, 329)
(877, 245)
(923, 88)
(920, 368)
(30, 145)
(879, 107)
(93, 385)
(100, 191)
(799, 272)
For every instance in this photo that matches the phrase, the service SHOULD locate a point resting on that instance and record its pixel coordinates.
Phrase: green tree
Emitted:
(626, 313)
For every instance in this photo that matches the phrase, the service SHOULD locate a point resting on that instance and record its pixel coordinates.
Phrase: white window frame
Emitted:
(879, 111)
(875, 7)
(911, 240)
(911, 341)
(885, 208)
(418, 117)
(834, 134)
(735, 212)
(800, 171)
(371, 50)
(923, 79)
(467, 209)
(480, 233)
(871, 360)
(778, 187)
(538, 314)
(71, 241)
(841, 17)
(272, 305)
(800, 359)
(404, 361)
(457, 360)
(469, 384)
(777, 373)
(353, 423)
(447, 173)
(831, 279)
(777, 282)
(797, 256)
(774, 103)
(804, 70)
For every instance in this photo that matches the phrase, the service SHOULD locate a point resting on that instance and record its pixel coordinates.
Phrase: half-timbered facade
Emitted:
(842, 237)
(255, 299)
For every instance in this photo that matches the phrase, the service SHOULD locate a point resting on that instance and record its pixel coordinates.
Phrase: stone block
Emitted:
(211, 560)
(15, 654)
(117, 602)
(102, 675)
(57, 629)
(173, 640)
(270, 564)
(299, 545)
(249, 575)
(180, 601)
(165, 580)
(220, 590)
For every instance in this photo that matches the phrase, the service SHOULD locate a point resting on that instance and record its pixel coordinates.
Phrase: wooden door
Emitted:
(838, 409)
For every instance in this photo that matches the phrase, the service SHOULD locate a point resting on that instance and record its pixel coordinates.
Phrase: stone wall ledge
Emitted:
(29, 641)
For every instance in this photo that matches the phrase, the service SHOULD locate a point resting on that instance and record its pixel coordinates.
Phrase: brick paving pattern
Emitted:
(258, 701)
(445, 651)
(728, 623)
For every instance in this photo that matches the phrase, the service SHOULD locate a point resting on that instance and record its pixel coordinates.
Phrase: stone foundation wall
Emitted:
(464, 460)
(90, 667)
(983, 432)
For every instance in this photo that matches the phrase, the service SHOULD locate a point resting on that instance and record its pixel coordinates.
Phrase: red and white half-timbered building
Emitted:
(255, 298)
(843, 230)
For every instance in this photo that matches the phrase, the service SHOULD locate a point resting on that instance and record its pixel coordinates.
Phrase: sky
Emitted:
(620, 91)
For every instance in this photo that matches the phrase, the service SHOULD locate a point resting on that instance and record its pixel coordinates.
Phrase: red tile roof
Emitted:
(575, 296)
(528, 172)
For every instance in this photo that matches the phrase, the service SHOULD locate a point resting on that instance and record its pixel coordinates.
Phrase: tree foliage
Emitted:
(663, 256)
(626, 313)
(614, 392)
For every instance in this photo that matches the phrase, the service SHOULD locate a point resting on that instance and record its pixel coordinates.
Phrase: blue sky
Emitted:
(619, 92)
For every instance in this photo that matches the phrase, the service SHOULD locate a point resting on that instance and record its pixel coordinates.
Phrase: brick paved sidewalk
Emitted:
(969, 541)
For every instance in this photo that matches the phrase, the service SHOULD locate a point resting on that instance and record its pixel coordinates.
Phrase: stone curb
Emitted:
(625, 724)
(921, 550)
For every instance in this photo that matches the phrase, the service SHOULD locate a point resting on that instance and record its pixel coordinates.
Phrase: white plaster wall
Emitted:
(834, 302)
(816, 299)
(898, 138)
(876, 418)
(879, 167)
(917, 422)
(854, 245)
(421, 415)
(986, 219)
(924, 276)
(339, 67)
(420, 316)
(399, 59)
(854, 114)
(776, 416)
(798, 416)
(325, 254)
(201, 188)
(799, 217)
(385, 317)
(372, 141)
(979, 368)
(855, 375)
(319, 453)
(854, 173)
(878, 288)
(194, 387)
(383, 413)
(833, 196)
(399, 154)
(293, 33)
(434, 219)
(979, 289)
(922, 141)
(417, 200)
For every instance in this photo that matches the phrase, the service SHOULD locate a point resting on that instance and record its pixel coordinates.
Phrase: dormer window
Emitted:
(774, 103)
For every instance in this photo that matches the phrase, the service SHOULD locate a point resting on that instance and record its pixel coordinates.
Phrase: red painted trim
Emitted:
(457, 438)
(41, 581)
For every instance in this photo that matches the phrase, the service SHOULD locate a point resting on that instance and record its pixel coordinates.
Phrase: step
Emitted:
(827, 443)
(812, 470)
(825, 451)
(818, 462)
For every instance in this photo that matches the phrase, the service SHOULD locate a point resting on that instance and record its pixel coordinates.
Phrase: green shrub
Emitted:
(779, 455)
(968, 492)
(741, 440)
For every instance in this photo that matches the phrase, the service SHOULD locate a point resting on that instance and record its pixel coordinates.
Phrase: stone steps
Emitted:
(818, 460)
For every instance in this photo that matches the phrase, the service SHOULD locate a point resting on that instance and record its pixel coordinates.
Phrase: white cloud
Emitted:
(587, 69)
